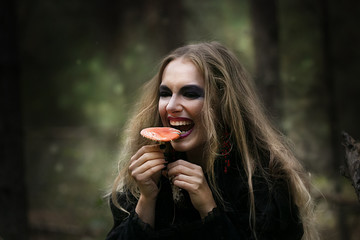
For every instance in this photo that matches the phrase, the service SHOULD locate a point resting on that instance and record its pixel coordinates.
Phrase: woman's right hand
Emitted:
(145, 167)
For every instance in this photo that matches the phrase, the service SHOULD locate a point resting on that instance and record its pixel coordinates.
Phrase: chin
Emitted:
(180, 147)
(186, 145)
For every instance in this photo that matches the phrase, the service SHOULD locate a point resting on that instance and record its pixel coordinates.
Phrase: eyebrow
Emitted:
(164, 88)
(191, 87)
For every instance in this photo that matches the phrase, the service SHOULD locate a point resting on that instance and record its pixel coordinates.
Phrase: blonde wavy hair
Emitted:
(231, 103)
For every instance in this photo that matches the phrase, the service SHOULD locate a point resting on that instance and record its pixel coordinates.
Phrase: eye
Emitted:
(191, 94)
(165, 93)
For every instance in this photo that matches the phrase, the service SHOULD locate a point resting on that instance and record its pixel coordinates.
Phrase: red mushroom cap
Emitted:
(162, 134)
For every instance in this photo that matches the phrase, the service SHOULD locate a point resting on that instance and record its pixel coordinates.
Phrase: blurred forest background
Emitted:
(71, 70)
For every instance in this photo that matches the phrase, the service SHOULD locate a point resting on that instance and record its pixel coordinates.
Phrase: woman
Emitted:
(236, 175)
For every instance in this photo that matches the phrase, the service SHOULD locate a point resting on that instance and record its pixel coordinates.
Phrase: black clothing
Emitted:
(276, 215)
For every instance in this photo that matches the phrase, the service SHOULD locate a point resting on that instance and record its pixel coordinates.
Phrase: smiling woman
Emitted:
(181, 103)
(239, 179)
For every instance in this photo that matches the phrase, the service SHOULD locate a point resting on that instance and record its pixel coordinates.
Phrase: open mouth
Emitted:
(184, 125)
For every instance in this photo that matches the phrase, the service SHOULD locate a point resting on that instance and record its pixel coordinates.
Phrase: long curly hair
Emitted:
(230, 103)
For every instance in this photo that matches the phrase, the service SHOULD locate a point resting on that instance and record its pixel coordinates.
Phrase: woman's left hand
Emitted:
(191, 177)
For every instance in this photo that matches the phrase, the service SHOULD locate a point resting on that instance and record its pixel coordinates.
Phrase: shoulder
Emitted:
(127, 203)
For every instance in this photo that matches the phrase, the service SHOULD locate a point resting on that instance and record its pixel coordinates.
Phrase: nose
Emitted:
(174, 105)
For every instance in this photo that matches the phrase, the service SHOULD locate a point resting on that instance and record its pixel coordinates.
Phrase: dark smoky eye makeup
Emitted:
(192, 91)
(164, 91)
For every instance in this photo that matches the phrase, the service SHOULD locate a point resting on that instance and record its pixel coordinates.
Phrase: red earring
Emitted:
(225, 151)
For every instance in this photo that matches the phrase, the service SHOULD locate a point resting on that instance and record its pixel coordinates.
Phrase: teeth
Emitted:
(179, 123)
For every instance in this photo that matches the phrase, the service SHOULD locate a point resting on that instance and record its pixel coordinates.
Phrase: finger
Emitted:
(186, 169)
(189, 183)
(147, 156)
(184, 163)
(187, 179)
(147, 166)
(184, 185)
(146, 153)
(147, 149)
(146, 175)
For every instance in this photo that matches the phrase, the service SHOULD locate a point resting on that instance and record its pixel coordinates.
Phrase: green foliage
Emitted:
(305, 120)
(225, 21)
(96, 91)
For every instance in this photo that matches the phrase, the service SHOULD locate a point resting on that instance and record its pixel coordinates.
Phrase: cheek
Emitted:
(161, 106)
(198, 108)
(162, 110)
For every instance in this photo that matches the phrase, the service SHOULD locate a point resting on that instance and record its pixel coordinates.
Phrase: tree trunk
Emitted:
(329, 84)
(331, 109)
(13, 201)
(173, 24)
(266, 39)
(165, 23)
(351, 168)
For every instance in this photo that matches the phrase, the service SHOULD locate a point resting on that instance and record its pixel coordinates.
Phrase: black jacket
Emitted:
(276, 215)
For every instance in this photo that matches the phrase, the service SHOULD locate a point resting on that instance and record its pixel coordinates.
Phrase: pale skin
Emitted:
(148, 162)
